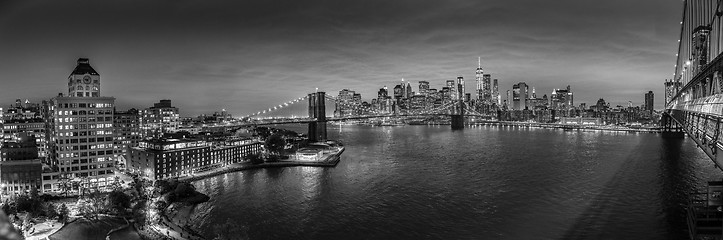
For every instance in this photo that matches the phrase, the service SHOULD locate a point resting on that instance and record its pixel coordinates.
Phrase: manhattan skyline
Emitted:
(246, 56)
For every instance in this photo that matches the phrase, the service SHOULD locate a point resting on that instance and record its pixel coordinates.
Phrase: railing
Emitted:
(704, 128)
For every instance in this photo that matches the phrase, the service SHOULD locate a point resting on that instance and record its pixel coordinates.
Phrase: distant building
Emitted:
(451, 89)
(496, 93)
(479, 89)
(486, 81)
(562, 99)
(424, 88)
(649, 101)
(159, 119)
(519, 96)
(460, 88)
(346, 104)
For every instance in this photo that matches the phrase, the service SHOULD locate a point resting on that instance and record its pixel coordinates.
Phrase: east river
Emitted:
(422, 182)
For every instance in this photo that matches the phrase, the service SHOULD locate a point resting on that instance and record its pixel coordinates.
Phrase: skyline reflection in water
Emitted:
(483, 182)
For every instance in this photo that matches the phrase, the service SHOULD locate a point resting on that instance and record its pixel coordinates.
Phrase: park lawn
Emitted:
(88, 229)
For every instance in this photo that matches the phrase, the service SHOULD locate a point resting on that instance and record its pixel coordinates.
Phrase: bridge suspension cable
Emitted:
(278, 107)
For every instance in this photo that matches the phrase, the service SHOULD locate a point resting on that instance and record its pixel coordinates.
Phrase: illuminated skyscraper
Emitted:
(478, 77)
(561, 99)
(519, 96)
(460, 88)
(452, 89)
(424, 88)
(487, 88)
(496, 93)
(649, 101)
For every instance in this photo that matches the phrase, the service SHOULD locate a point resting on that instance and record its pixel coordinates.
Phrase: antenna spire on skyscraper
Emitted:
(479, 62)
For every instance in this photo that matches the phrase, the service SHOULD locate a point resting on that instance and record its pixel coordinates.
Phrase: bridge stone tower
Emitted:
(317, 109)
(458, 116)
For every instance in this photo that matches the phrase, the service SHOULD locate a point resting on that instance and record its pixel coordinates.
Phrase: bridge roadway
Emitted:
(308, 120)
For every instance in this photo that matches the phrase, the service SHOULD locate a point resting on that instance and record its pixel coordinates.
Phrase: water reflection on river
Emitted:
(421, 182)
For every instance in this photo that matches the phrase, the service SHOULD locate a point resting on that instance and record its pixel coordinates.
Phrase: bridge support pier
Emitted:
(317, 109)
(670, 128)
(457, 122)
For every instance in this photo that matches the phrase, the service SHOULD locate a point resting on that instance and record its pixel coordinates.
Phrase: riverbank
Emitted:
(328, 160)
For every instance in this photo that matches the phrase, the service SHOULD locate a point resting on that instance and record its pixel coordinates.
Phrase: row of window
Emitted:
(84, 119)
(84, 133)
(85, 154)
(84, 140)
(85, 105)
(84, 112)
(84, 126)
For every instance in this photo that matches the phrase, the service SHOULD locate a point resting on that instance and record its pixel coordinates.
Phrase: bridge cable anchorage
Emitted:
(277, 107)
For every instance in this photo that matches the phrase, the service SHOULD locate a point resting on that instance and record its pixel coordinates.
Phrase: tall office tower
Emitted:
(344, 104)
(460, 87)
(509, 99)
(562, 99)
(127, 128)
(700, 47)
(487, 88)
(383, 93)
(382, 96)
(534, 95)
(424, 88)
(519, 96)
(81, 127)
(649, 99)
(409, 91)
(404, 89)
(159, 119)
(478, 77)
(452, 89)
(496, 93)
(357, 104)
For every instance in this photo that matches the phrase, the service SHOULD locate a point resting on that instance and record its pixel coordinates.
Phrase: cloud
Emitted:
(241, 55)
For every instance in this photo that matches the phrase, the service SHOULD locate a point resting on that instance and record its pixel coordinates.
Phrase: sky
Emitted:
(246, 56)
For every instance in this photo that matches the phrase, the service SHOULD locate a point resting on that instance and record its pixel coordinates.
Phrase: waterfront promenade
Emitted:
(327, 160)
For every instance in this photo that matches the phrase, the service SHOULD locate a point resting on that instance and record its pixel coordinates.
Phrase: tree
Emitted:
(63, 213)
(50, 210)
(91, 205)
(118, 201)
(275, 143)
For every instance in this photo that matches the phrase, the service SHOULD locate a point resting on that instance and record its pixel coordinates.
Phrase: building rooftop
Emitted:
(84, 67)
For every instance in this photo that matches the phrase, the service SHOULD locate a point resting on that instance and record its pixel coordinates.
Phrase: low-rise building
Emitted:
(169, 158)
(20, 168)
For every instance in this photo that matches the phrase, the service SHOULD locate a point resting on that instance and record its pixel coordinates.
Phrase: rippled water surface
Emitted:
(421, 182)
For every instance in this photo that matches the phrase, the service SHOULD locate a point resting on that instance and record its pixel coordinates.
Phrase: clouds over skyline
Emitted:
(247, 55)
